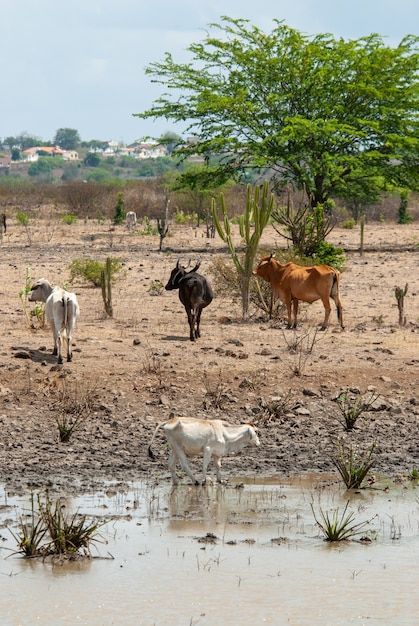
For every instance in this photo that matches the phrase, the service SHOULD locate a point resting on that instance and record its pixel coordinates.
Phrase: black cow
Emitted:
(195, 293)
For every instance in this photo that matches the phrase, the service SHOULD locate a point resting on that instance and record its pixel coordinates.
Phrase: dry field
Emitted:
(134, 370)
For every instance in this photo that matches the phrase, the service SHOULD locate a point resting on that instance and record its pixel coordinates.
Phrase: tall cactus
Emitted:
(106, 280)
(251, 226)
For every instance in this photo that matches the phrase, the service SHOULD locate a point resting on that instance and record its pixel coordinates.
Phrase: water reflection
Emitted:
(264, 563)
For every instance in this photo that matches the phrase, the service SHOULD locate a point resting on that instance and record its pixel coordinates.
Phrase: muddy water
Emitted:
(245, 554)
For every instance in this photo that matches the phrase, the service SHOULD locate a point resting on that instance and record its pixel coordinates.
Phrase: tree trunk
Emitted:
(245, 284)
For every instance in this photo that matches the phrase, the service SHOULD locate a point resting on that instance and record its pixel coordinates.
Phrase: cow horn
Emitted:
(272, 255)
(195, 269)
(177, 264)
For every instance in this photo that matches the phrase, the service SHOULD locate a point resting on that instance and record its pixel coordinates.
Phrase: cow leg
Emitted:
(172, 467)
(288, 305)
(339, 309)
(55, 335)
(295, 311)
(217, 461)
(327, 310)
(198, 321)
(59, 348)
(191, 320)
(69, 353)
(207, 459)
(178, 451)
(194, 324)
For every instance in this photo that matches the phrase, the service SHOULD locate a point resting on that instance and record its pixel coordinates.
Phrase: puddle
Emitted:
(243, 554)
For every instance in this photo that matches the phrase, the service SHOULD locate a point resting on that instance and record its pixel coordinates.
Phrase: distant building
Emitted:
(137, 150)
(32, 154)
(147, 150)
(5, 159)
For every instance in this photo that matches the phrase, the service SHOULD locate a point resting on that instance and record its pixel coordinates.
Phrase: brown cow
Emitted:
(293, 282)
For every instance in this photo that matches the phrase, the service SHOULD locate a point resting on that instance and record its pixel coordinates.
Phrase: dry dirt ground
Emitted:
(135, 370)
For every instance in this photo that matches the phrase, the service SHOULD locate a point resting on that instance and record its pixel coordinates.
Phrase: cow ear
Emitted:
(252, 426)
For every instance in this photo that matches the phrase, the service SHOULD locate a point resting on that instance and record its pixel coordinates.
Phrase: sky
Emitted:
(80, 63)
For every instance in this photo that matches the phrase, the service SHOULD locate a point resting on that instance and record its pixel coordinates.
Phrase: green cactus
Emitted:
(106, 280)
(251, 226)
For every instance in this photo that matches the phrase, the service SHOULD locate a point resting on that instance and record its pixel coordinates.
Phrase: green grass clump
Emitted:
(349, 223)
(352, 407)
(49, 531)
(69, 219)
(31, 533)
(69, 533)
(90, 270)
(351, 465)
(337, 527)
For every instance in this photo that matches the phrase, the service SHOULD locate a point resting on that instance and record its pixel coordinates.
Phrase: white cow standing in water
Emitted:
(61, 312)
(189, 436)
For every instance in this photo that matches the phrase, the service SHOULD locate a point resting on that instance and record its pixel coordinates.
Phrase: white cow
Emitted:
(189, 436)
(131, 220)
(61, 312)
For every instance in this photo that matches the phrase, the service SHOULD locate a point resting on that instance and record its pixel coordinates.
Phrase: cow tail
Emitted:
(150, 451)
(65, 316)
(334, 292)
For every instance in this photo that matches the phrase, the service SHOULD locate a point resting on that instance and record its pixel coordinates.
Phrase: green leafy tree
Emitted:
(94, 144)
(359, 195)
(92, 159)
(16, 154)
(11, 142)
(25, 141)
(43, 167)
(319, 112)
(171, 141)
(404, 216)
(119, 209)
(67, 138)
(199, 182)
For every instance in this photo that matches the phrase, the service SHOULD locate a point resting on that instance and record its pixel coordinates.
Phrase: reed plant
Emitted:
(69, 533)
(339, 527)
(48, 531)
(32, 531)
(73, 408)
(352, 407)
(352, 465)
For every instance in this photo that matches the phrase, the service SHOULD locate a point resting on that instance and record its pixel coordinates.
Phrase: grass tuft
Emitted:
(337, 527)
(351, 465)
(51, 532)
(352, 408)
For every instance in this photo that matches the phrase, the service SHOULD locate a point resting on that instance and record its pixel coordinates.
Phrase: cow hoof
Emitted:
(60, 361)
(69, 358)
